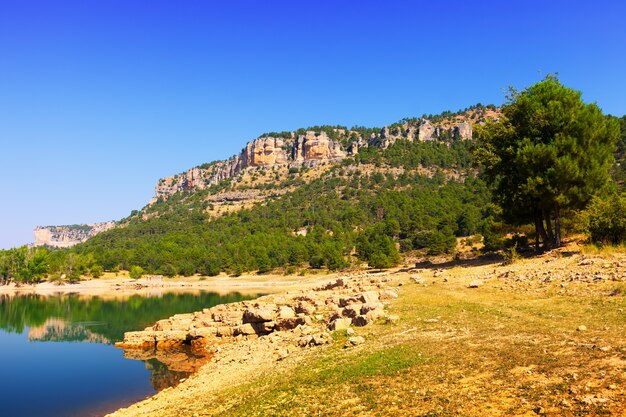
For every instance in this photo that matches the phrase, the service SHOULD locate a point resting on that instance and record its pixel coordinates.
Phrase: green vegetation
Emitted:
(549, 153)
(355, 212)
(545, 158)
(109, 318)
(605, 220)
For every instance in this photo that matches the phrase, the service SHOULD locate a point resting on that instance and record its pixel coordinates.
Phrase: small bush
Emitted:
(136, 272)
(96, 271)
(605, 220)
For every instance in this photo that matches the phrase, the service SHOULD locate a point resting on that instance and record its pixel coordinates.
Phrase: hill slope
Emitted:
(322, 196)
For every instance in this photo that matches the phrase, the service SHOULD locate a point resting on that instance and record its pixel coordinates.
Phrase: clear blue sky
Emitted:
(99, 99)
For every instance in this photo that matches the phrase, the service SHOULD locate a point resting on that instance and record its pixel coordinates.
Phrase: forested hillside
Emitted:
(361, 209)
(372, 206)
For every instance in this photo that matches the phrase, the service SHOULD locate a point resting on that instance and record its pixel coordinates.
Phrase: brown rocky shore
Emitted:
(250, 337)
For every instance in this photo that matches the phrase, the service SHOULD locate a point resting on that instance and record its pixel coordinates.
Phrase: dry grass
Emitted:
(495, 350)
(459, 351)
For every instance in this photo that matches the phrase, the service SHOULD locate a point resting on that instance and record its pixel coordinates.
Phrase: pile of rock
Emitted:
(292, 320)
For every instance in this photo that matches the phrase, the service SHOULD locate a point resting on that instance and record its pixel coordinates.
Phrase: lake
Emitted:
(58, 354)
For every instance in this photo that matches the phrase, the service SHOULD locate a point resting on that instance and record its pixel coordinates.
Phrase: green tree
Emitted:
(550, 152)
(96, 271)
(136, 272)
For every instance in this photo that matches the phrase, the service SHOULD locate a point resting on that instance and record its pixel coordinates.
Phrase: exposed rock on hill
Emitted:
(66, 236)
(315, 147)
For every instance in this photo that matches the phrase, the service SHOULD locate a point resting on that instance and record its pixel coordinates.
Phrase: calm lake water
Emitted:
(58, 357)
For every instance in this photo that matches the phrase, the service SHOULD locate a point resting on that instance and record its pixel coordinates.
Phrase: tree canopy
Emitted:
(549, 153)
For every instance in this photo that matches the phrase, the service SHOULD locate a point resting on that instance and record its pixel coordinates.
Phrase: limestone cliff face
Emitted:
(67, 236)
(310, 149)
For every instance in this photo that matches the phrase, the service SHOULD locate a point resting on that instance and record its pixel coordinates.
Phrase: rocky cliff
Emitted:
(66, 236)
(312, 147)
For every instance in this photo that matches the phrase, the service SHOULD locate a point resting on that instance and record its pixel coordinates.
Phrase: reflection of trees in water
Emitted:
(55, 330)
(113, 316)
(168, 366)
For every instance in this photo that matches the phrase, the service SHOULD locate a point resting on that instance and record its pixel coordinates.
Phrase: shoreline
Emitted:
(261, 335)
(122, 287)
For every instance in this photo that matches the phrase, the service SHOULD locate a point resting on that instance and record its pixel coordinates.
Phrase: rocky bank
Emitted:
(246, 337)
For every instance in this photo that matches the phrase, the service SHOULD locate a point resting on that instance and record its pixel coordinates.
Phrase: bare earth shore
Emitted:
(541, 336)
(121, 287)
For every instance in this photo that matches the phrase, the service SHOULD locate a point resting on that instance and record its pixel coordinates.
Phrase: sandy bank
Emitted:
(117, 286)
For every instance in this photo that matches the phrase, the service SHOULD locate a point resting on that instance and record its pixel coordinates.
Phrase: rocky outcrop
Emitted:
(301, 150)
(426, 131)
(293, 320)
(316, 147)
(464, 130)
(67, 236)
(310, 149)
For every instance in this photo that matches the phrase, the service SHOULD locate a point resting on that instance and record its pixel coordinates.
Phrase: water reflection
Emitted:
(67, 342)
(60, 330)
(106, 318)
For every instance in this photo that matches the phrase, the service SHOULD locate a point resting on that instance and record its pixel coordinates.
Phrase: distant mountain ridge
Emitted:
(68, 236)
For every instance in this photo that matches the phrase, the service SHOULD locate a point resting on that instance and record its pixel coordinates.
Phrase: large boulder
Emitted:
(258, 315)
(340, 324)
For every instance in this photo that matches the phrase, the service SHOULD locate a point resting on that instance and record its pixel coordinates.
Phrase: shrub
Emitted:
(605, 220)
(136, 272)
(96, 271)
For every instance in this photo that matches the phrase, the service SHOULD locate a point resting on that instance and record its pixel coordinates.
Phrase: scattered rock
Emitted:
(340, 324)
(354, 341)
(476, 283)
(286, 312)
(581, 328)
(392, 318)
(388, 295)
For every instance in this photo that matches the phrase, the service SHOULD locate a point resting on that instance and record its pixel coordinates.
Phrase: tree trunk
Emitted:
(546, 214)
(557, 226)
(539, 229)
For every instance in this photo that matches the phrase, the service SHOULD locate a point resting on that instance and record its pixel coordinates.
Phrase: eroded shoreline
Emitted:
(254, 337)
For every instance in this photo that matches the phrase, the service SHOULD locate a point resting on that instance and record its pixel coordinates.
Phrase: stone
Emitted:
(258, 315)
(286, 312)
(175, 336)
(355, 341)
(321, 339)
(139, 339)
(244, 329)
(340, 324)
(291, 323)
(224, 331)
(305, 307)
(346, 301)
(360, 321)
(388, 295)
(392, 318)
(581, 328)
(351, 311)
(367, 307)
(476, 283)
(205, 332)
(369, 297)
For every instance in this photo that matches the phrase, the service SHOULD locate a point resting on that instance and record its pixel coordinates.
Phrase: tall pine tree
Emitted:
(550, 152)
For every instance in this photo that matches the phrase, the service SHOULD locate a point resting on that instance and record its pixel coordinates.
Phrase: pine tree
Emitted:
(549, 153)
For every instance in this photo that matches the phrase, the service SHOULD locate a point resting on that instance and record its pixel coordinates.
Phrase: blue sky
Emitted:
(99, 99)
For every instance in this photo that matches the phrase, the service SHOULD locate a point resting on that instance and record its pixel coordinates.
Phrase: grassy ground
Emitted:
(459, 351)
